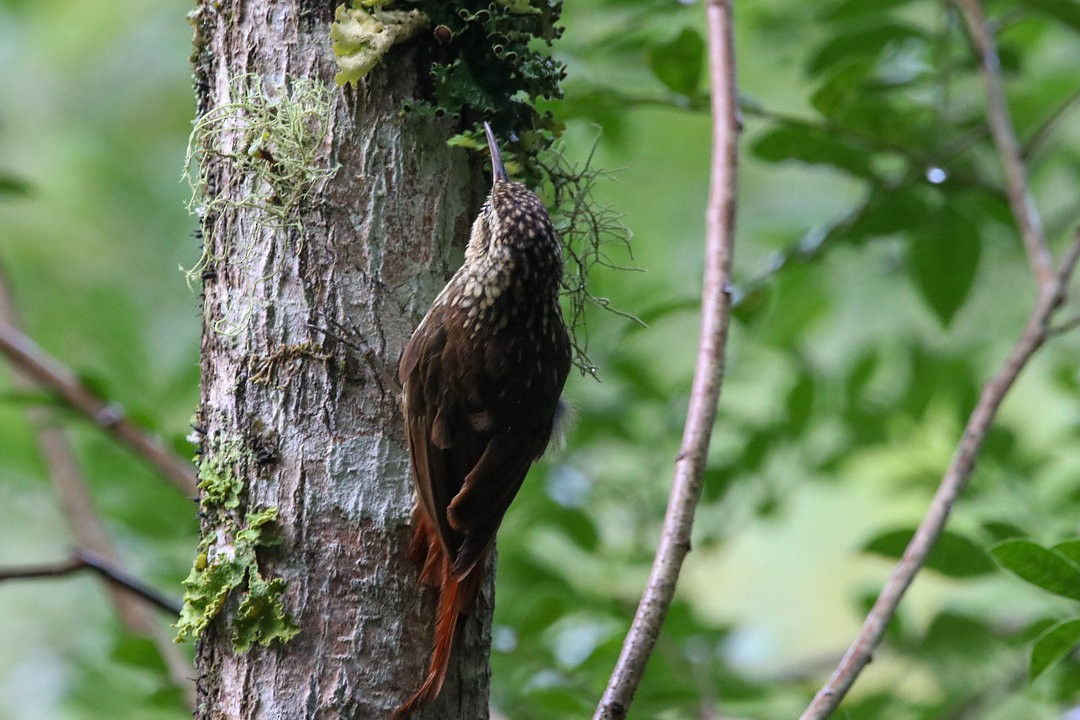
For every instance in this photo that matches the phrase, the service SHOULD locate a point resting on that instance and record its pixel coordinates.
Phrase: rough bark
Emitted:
(308, 383)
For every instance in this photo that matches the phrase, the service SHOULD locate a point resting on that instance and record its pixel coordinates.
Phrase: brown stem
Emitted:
(708, 375)
(1008, 147)
(85, 560)
(1050, 123)
(45, 370)
(85, 523)
(952, 484)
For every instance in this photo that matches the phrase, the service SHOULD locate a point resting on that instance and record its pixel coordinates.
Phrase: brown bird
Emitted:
(482, 376)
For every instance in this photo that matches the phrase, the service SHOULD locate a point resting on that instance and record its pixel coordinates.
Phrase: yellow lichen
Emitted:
(361, 37)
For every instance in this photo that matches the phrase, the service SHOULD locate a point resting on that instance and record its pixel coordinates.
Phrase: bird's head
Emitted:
(512, 215)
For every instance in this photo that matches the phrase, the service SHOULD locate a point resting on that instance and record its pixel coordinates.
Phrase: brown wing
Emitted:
(473, 433)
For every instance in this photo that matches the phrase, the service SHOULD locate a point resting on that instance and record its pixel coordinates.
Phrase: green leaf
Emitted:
(1042, 567)
(1067, 11)
(859, 374)
(861, 41)
(13, 185)
(749, 306)
(1070, 549)
(577, 526)
(715, 483)
(678, 62)
(953, 555)
(799, 404)
(138, 651)
(849, 9)
(843, 90)
(959, 638)
(1002, 530)
(1054, 645)
(790, 141)
(944, 257)
(887, 211)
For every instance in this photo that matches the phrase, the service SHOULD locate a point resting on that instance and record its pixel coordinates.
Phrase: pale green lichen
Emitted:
(273, 138)
(361, 37)
(233, 567)
(226, 562)
(217, 479)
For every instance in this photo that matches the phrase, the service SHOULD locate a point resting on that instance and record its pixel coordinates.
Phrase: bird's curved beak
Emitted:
(498, 171)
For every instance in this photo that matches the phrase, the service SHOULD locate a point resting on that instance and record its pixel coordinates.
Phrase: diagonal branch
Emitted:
(1049, 124)
(85, 523)
(85, 560)
(1008, 147)
(48, 372)
(1035, 333)
(708, 375)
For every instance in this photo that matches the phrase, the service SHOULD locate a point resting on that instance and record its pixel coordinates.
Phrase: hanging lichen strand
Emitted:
(271, 136)
(482, 63)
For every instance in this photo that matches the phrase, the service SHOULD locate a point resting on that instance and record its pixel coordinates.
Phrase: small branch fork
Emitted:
(1052, 291)
(86, 560)
(97, 551)
(953, 483)
(708, 375)
(48, 372)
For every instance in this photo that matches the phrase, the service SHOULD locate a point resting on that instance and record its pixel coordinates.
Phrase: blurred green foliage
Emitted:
(880, 280)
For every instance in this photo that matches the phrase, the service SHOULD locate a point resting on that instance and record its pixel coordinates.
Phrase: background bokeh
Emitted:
(880, 281)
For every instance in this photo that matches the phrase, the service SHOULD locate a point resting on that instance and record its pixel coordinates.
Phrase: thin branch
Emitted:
(1001, 128)
(85, 560)
(34, 572)
(1049, 124)
(1066, 326)
(85, 523)
(708, 375)
(1035, 333)
(45, 370)
(71, 489)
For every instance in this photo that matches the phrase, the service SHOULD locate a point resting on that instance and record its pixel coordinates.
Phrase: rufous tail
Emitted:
(446, 618)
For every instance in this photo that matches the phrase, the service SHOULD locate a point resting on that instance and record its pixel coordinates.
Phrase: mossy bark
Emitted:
(318, 312)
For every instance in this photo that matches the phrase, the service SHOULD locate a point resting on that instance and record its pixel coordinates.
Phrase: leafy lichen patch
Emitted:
(361, 36)
(218, 480)
(226, 562)
(229, 566)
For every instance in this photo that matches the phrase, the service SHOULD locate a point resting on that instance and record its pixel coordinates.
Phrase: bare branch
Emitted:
(1001, 128)
(85, 560)
(708, 375)
(1050, 123)
(1066, 327)
(1035, 333)
(34, 572)
(86, 525)
(45, 370)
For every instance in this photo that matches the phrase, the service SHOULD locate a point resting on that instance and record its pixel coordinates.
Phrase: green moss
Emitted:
(232, 566)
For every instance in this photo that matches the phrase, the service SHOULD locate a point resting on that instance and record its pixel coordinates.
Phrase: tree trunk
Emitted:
(307, 303)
